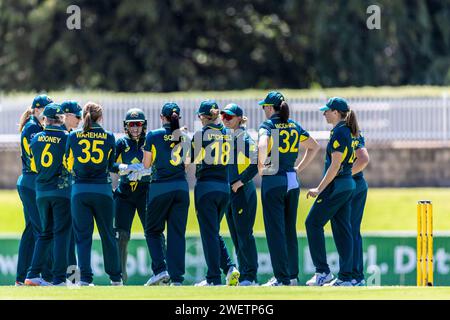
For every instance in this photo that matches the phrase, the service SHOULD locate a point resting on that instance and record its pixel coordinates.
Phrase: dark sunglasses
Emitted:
(135, 124)
(227, 117)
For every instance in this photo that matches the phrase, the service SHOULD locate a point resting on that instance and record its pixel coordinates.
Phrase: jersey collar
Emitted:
(54, 128)
(214, 126)
(339, 124)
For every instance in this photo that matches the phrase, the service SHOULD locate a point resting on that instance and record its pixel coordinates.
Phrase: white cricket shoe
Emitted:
(273, 282)
(320, 279)
(205, 283)
(247, 283)
(232, 278)
(294, 282)
(161, 279)
(37, 282)
(338, 283)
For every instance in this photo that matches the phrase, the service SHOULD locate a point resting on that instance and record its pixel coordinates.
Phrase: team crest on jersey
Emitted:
(127, 149)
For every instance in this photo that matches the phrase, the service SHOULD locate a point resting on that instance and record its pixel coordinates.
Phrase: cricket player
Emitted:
(278, 149)
(211, 152)
(73, 113)
(29, 126)
(357, 207)
(90, 154)
(242, 210)
(168, 200)
(52, 197)
(334, 195)
(129, 196)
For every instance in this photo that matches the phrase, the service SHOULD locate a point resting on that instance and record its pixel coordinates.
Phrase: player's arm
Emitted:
(68, 159)
(149, 151)
(112, 153)
(263, 147)
(118, 157)
(362, 160)
(251, 155)
(336, 159)
(311, 149)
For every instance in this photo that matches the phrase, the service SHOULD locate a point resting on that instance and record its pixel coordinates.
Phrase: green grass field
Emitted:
(224, 293)
(386, 210)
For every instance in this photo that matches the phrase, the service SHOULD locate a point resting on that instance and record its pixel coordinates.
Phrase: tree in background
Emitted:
(176, 45)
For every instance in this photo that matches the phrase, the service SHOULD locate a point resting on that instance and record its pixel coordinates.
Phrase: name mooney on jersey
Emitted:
(49, 139)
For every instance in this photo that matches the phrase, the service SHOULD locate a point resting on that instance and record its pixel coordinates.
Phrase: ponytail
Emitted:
(283, 111)
(92, 112)
(87, 122)
(352, 123)
(175, 127)
(214, 114)
(24, 118)
(243, 121)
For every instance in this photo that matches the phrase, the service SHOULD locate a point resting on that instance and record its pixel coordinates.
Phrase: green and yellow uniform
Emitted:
(358, 203)
(168, 200)
(334, 204)
(90, 155)
(211, 152)
(27, 193)
(53, 198)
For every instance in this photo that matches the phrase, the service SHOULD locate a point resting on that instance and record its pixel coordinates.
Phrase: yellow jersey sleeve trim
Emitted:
(242, 162)
(32, 163)
(336, 144)
(153, 153)
(119, 159)
(26, 146)
(303, 138)
(344, 155)
(70, 160)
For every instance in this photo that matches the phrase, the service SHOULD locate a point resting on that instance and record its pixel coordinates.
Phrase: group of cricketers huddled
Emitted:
(67, 158)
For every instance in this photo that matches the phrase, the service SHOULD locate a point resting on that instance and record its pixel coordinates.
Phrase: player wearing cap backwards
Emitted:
(278, 148)
(29, 126)
(129, 196)
(358, 202)
(242, 210)
(334, 195)
(90, 154)
(73, 113)
(53, 198)
(211, 152)
(168, 199)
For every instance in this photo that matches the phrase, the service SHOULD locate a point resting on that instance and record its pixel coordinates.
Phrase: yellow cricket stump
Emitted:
(424, 243)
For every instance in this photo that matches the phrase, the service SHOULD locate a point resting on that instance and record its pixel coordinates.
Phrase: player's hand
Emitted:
(235, 186)
(314, 192)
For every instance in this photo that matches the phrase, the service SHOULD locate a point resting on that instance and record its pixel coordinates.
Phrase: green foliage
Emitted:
(177, 45)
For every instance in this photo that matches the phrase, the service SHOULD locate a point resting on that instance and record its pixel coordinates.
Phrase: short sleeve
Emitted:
(338, 141)
(361, 142)
(304, 135)
(119, 148)
(148, 142)
(264, 130)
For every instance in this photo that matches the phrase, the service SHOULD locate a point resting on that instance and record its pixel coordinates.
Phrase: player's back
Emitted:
(167, 154)
(91, 155)
(211, 152)
(48, 148)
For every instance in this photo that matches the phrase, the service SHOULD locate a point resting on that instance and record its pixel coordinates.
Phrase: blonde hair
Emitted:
(92, 112)
(25, 117)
